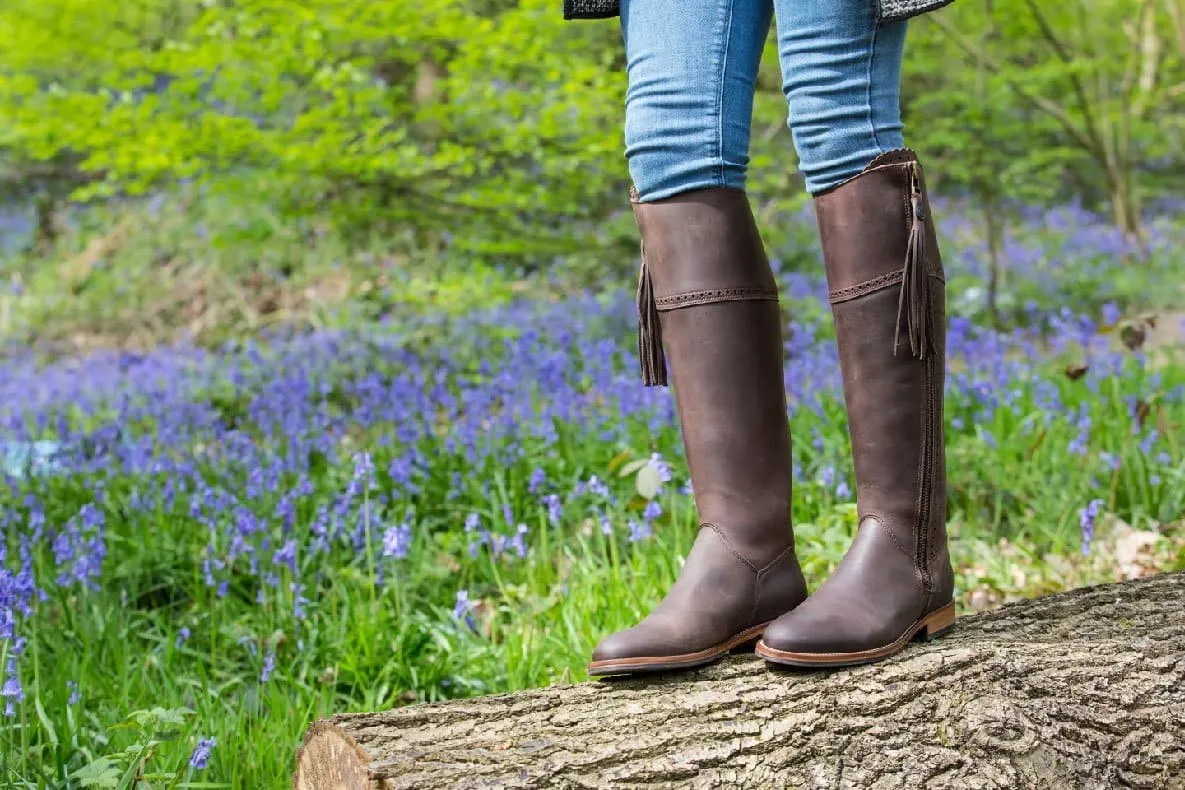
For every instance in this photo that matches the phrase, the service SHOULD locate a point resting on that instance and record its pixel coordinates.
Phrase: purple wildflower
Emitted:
(598, 488)
(397, 541)
(463, 610)
(639, 530)
(11, 691)
(363, 467)
(1087, 517)
(462, 605)
(554, 511)
(519, 540)
(661, 466)
(1148, 441)
(201, 753)
(653, 510)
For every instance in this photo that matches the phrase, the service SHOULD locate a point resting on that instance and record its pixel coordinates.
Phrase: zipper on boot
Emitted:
(927, 479)
(914, 316)
(920, 326)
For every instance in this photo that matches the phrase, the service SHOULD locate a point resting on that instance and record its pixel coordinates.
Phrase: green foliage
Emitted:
(427, 115)
(502, 119)
(1046, 100)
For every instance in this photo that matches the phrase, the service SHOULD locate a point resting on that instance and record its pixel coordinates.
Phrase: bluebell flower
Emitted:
(201, 753)
(598, 488)
(397, 541)
(639, 530)
(652, 511)
(519, 540)
(1087, 517)
(554, 511)
(661, 467)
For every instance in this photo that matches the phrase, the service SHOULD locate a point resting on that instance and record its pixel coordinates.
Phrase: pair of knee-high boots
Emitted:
(706, 293)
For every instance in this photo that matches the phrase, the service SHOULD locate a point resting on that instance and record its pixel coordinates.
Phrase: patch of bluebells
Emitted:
(289, 453)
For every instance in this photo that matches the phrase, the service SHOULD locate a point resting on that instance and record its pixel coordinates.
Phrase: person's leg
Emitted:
(841, 76)
(707, 290)
(885, 278)
(692, 67)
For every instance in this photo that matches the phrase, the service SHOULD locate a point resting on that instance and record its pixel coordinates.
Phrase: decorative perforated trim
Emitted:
(868, 286)
(693, 298)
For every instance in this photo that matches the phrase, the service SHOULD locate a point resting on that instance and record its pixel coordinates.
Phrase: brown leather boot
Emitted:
(707, 289)
(887, 293)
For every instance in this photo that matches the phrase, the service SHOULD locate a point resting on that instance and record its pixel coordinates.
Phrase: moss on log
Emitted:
(1084, 689)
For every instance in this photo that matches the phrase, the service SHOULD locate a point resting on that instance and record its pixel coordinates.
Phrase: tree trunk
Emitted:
(1084, 689)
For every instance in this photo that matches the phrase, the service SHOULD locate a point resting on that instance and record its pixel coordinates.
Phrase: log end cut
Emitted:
(329, 759)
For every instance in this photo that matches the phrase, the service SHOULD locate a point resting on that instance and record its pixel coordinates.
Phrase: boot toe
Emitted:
(623, 645)
(802, 631)
(653, 638)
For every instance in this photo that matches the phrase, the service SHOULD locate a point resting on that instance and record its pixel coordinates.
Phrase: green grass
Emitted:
(1016, 490)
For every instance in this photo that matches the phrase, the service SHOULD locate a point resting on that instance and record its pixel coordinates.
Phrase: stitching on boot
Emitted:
(877, 283)
(693, 298)
(788, 550)
(892, 536)
(892, 158)
(727, 545)
(761, 575)
(866, 287)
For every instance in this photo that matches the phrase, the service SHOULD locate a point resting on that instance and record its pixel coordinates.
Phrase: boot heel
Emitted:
(938, 623)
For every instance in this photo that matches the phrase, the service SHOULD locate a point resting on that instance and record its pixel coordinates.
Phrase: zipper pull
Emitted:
(914, 314)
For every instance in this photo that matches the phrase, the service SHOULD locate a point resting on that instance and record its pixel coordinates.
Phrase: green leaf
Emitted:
(134, 768)
(648, 481)
(45, 722)
(633, 466)
(102, 773)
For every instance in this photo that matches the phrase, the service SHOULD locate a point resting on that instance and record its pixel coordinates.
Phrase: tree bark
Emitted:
(1084, 689)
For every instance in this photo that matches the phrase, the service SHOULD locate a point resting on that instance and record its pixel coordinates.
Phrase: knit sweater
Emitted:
(887, 11)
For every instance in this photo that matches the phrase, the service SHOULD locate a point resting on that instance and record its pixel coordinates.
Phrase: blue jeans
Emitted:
(692, 67)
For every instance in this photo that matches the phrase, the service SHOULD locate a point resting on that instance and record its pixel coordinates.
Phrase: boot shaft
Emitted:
(886, 287)
(708, 294)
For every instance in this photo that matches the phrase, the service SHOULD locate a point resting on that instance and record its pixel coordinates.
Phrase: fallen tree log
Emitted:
(1084, 689)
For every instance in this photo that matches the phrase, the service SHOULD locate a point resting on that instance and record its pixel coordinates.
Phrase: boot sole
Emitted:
(642, 664)
(929, 627)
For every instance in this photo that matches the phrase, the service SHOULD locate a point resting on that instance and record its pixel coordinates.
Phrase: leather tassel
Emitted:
(650, 353)
(914, 314)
